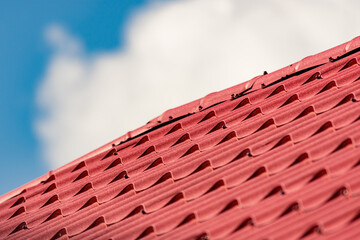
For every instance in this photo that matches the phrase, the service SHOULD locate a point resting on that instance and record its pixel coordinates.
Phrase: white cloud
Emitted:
(175, 52)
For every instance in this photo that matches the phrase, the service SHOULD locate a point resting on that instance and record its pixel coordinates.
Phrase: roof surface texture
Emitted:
(276, 157)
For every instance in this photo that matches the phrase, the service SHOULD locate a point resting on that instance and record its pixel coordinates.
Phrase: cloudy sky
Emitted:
(78, 74)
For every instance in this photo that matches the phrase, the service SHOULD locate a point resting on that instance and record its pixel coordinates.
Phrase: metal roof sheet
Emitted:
(275, 157)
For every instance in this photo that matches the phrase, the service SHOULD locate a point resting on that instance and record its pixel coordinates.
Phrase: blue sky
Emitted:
(77, 74)
(24, 55)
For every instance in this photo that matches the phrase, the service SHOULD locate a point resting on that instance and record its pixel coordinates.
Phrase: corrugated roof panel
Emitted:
(276, 157)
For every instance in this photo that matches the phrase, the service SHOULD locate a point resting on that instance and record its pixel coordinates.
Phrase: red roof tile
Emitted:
(276, 157)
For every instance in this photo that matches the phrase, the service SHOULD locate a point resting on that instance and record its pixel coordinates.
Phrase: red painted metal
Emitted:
(276, 157)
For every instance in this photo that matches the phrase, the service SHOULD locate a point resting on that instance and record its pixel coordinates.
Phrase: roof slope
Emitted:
(275, 157)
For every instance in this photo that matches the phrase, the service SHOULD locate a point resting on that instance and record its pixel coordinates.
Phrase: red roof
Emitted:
(275, 157)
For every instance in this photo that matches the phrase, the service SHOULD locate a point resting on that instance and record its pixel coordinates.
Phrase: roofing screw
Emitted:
(265, 73)
(318, 76)
(115, 153)
(170, 117)
(317, 229)
(249, 154)
(251, 222)
(353, 99)
(113, 144)
(295, 207)
(331, 59)
(126, 176)
(25, 226)
(344, 192)
(200, 107)
(143, 211)
(204, 237)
